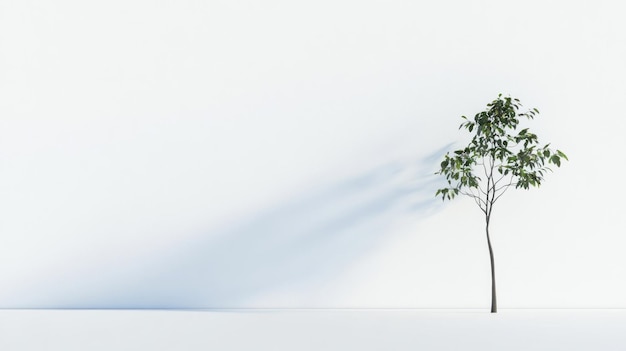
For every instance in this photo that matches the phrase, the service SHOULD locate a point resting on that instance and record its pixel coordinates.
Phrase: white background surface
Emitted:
(242, 154)
(314, 330)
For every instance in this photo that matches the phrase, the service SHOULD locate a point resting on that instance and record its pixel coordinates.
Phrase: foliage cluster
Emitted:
(498, 156)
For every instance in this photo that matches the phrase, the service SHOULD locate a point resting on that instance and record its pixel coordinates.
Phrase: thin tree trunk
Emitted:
(494, 305)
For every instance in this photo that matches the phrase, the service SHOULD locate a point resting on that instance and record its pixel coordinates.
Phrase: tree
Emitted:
(502, 156)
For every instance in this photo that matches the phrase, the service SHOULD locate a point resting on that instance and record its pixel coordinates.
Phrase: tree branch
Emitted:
(477, 200)
(499, 179)
(490, 191)
(505, 187)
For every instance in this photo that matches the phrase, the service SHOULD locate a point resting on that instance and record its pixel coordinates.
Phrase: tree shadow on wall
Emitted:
(311, 238)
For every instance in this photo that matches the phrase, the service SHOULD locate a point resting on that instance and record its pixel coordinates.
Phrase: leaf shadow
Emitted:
(308, 239)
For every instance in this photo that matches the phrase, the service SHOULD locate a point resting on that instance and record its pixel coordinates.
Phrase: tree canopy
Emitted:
(505, 156)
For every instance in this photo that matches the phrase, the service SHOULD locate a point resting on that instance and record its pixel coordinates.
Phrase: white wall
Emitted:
(274, 154)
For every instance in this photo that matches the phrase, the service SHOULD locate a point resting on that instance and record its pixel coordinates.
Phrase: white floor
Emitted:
(186, 330)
